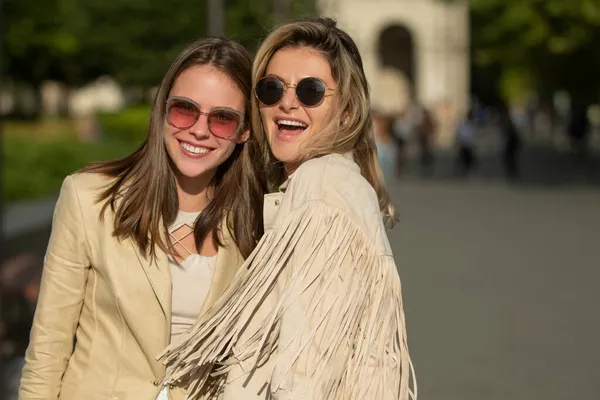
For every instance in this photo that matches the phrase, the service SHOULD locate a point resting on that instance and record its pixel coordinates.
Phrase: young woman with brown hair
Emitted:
(142, 245)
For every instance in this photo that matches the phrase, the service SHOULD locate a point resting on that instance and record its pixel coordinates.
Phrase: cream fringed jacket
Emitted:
(316, 311)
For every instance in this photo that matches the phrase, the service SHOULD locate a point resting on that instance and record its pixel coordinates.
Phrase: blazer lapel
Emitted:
(158, 274)
(156, 270)
(229, 261)
(143, 291)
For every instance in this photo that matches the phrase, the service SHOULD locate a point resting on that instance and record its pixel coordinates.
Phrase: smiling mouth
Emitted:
(289, 127)
(196, 151)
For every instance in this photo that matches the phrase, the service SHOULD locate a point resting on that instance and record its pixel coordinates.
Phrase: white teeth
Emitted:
(192, 149)
(291, 123)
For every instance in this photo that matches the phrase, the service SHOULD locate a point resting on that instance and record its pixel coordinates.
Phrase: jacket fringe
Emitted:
(361, 325)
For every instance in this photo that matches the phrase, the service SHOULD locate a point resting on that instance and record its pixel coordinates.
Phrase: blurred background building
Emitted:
(424, 43)
(487, 117)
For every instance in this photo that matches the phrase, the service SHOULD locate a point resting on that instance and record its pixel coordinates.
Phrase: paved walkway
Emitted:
(23, 217)
(501, 289)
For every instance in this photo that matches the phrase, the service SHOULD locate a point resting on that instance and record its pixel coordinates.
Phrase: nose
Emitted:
(200, 129)
(289, 101)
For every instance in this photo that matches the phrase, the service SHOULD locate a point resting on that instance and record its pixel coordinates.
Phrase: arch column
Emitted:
(443, 81)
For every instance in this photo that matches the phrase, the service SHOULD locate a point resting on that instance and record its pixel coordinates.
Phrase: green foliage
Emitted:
(75, 41)
(37, 168)
(248, 21)
(515, 84)
(552, 42)
(34, 166)
(508, 29)
(138, 39)
(128, 126)
(303, 8)
(42, 39)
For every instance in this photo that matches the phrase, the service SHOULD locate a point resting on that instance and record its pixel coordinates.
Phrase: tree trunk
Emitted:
(280, 10)
(216, 18)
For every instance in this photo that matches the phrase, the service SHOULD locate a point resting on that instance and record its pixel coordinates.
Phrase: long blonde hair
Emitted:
(350, 128)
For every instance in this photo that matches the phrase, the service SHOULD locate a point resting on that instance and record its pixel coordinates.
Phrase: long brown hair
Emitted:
(143, 195)
(350, 128)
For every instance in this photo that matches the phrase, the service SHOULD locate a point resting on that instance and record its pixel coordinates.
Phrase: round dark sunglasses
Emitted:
(183, 113)
(309, 91)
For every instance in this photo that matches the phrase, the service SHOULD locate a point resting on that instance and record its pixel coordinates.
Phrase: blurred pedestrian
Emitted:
(578, 127)
(387, 149)
(511, 144)
(465, 142)
(402, 131)
(425, 130)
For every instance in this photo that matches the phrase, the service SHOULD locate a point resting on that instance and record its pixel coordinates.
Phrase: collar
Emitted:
(347, 155)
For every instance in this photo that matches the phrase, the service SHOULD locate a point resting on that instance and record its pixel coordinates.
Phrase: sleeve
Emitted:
(337, 330)
(62, 291)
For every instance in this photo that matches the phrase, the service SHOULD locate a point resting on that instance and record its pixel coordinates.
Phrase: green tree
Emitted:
(136, 40)
(539, 45)
(75, 41)
(41, 40)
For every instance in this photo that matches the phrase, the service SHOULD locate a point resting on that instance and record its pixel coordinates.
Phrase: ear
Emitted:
(243, 138)
(345, 117)
(344, 120)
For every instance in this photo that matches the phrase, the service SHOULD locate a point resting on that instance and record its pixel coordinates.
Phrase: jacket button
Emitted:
(171, 386)
(277, 202)
(156, 383)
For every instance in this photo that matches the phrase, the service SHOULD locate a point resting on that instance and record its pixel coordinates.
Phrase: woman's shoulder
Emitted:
(337, 180)
(86, 185)
(336, 183)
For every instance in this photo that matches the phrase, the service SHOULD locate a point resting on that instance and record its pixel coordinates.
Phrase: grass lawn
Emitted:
(39, 155)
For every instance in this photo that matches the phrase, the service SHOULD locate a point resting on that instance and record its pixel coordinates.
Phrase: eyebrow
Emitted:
(200, 107)
(226, 108)
(287, 83)
(278, 77)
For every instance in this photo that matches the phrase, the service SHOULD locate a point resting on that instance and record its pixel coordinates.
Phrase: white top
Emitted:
(191, 279)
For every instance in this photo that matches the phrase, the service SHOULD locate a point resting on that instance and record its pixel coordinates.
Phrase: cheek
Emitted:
(168, 140)
(266, 114)
(226, 147)
(168, 131)
(317, 117)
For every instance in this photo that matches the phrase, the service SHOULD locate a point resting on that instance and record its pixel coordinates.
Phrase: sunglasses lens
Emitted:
(224, 124)
(310, 91)
(269, 91)
(182, 114)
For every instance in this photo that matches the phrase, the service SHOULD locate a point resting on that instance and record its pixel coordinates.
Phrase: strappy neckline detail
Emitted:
(183, 218)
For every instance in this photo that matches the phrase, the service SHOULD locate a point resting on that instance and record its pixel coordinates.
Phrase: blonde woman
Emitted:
(141, 246)
(316, 311)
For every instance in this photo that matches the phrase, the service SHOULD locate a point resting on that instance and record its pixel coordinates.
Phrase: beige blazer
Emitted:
(316, 311)
(104, 310)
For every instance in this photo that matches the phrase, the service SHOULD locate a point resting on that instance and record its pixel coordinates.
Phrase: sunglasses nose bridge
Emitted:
(289, 98)
(286, 88)
(200, 126)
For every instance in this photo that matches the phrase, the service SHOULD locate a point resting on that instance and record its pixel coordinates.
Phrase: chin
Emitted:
(285, 155)
(193, 171)
(192, 174)
(284, 151)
